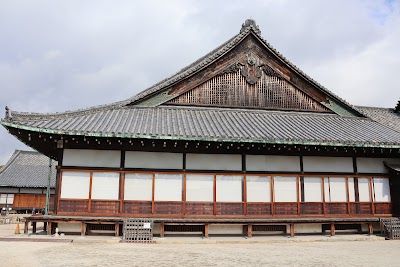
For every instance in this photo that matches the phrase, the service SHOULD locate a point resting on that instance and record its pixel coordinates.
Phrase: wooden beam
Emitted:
(332, 229)
(206, 230)
(370, 229)
(49, 228)
(26, 227)
(83, 229)
(249, 230)
(162, 230)
(34, 227)
(117, 229)
(292, 230)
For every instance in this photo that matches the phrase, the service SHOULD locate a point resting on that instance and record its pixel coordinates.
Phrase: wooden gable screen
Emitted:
(233, 90)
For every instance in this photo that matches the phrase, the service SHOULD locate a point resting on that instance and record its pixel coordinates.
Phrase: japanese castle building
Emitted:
(241, 138)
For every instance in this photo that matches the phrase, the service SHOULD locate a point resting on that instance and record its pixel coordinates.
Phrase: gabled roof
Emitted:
(161, 89)
(27, 169)
(385, 116)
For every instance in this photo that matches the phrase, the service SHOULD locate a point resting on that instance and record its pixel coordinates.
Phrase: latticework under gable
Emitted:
(232, 90)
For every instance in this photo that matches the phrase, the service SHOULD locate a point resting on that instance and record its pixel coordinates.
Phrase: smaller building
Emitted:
(23, 182)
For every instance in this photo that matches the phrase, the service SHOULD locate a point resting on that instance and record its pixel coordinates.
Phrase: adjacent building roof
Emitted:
(27, 169)
(214, 124)
(385, 116)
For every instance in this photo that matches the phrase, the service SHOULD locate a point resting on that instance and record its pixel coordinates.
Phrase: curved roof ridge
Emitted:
(118, 104)
(11, 160)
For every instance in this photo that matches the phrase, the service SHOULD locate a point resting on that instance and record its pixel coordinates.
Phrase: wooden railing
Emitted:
(286, 208)
(199, 208)
(312, 208)
(259, 208)
(104, 206)
(168, 207)
(74, 205)
(241, 209)
(137, 207)
(229, 208)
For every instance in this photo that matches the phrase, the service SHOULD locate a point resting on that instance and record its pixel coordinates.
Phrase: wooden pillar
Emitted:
(206, 230)
(332, 229)
(117, 229)
(249, 230)
(83, 228)
(162, 230)
(49, 228)
(26, 227)
(370, 229)
(292, 230)
(34, 227)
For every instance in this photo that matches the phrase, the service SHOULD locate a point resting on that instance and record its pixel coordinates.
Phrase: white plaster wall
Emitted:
(91, 158)
(225, 229)
(272, 163)
(153, 160)
(308, 228)
(69, 227)
(374, 165)
(224, 162)
(328, 164)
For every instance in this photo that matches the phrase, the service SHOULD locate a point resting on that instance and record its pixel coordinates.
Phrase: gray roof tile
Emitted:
(216, 124)
(385, 116)
(27, 169)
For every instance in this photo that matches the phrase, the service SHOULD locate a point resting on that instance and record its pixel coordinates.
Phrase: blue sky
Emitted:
(64, 55)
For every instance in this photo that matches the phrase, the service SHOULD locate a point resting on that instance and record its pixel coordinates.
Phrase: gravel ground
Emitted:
(339, 253)
(341, 250)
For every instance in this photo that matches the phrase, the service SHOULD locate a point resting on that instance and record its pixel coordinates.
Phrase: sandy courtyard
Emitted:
(339, 253)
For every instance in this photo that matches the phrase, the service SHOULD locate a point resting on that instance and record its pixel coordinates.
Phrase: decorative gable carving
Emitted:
(251, 84)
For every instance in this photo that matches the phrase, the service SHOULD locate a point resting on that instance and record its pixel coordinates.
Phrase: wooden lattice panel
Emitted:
(232, 90)
(138, 230)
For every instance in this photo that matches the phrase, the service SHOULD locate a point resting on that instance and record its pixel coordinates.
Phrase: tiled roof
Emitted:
(213, 124)
(385, 116)
(27, 169)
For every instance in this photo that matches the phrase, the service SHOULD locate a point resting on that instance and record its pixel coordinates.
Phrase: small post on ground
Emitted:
(117, 229)
(249, 230)
(370, 229)
(332, 229)
(26, 227)
(49, 228)
(292, 230)
(83, 228)
(34, 227)
(17, 230)
(162, 229)
(206, 230)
